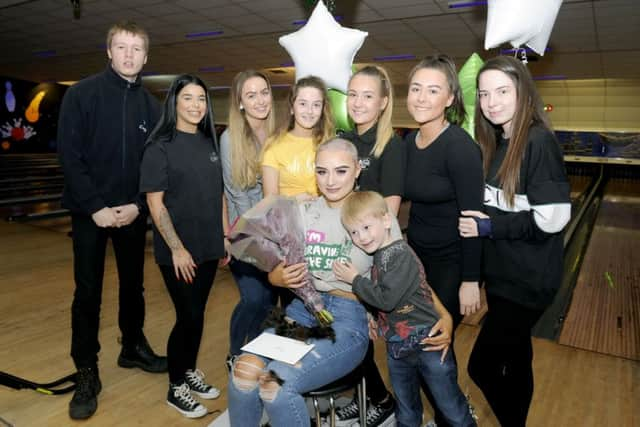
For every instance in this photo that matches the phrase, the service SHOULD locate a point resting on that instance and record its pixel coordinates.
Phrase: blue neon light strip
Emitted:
(467, 4)
(393, 57)
(203, 34)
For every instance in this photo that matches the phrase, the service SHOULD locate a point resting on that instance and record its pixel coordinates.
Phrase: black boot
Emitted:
(85, 399)
(141, 356)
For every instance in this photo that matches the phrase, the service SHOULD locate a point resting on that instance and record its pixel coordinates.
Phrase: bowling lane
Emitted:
(604, 315)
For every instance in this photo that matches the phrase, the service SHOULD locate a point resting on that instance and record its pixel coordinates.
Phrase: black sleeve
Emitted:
(547, 190)
(392, 285)
(392, 168)
(71, 152)
(154, 175)
(464, 163)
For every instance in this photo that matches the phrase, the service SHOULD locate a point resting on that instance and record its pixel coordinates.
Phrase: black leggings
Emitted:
(500, 362)
(189, 301)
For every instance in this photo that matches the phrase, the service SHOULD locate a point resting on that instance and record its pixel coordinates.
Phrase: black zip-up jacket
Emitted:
(103, 125)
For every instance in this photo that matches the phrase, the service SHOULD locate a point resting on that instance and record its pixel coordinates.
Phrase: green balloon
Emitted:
(338, 103)
(467, 77)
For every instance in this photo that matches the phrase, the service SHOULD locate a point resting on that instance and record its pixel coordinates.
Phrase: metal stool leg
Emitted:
(332, 411)
(361, 391)
(316, 405)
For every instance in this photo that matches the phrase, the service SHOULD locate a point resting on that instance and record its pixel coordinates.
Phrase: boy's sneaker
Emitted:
(179, 397)
(85, 398)
(348, 414)
(382, 414)
(195, 381)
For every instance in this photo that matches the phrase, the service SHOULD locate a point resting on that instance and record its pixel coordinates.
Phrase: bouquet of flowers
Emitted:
(271, 232)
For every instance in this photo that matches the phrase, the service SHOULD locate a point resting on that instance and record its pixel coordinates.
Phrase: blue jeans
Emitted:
(257, 297)
(442, 380)
(326, 362)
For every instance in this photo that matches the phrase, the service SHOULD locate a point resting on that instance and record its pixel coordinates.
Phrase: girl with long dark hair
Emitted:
(182, 177)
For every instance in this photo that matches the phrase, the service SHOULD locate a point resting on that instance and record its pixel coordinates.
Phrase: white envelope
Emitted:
(279, 348)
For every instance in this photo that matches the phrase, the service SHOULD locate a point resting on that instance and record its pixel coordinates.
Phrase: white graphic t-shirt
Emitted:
(328, 241)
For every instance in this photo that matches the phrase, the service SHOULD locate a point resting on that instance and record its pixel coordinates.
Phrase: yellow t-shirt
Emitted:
(294, 158)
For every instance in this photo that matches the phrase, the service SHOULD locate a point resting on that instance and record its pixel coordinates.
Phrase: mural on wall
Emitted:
(29, 116)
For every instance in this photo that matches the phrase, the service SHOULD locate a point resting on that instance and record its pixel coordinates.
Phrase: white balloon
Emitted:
(521, 22)
(324, 48)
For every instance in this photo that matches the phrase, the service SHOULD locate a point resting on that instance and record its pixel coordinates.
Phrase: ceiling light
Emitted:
(204, 34)
(393, 57)
(44, 53)
(215, 69)
(460, 4)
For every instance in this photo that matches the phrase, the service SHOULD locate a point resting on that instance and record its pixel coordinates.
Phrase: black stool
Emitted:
(356, 380)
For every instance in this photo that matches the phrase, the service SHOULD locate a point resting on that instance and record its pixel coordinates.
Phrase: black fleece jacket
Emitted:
(103, 125)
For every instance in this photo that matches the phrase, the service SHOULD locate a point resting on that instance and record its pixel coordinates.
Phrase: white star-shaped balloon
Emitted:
(324, 48)
(521, 22)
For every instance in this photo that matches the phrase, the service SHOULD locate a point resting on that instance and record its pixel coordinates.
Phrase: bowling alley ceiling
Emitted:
(42, 41)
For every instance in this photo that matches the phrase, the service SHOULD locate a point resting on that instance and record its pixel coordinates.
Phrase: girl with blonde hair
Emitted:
(251, 121)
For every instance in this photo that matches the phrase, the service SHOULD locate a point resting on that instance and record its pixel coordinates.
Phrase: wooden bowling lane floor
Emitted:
(573, 387)
(604, 315)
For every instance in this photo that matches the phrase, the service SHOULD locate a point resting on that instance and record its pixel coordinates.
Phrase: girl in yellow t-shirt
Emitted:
(288, 157)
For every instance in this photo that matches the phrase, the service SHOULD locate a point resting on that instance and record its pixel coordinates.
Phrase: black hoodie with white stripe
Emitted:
(523, 259)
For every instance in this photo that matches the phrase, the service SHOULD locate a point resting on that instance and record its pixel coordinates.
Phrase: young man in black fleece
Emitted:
(104, 122)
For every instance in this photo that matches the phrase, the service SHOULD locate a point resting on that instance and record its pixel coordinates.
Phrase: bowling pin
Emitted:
(9, 98)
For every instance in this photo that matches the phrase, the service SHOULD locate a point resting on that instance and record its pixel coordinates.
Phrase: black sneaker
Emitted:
(195, 381)
(141, 356)
(381, 415)
(85, 399)
(348, 414)
(179, 397)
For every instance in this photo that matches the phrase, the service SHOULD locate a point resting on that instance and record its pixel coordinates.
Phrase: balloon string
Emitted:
(523, 55)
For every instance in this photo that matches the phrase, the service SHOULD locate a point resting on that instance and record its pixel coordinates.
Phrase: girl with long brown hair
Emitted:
(288, 157)
(526, 206)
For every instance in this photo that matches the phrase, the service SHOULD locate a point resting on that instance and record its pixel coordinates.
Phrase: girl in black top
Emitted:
(182, 176)
(526, 205)
(382, 160)
(381, 152)
(443, 177)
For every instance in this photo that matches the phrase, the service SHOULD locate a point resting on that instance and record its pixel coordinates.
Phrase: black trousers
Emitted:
(89, 247)
(190, 302)
(443, 268)
(500, 362)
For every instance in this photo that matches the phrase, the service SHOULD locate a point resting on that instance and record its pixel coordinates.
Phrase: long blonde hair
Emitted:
(324, 129)
(384, 133)
(245, 147)
(529, 112)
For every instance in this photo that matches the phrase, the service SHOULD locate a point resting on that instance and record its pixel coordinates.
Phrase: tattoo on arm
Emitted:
(165, 227)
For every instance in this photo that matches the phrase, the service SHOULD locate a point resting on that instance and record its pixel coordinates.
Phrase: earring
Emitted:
(241, 107)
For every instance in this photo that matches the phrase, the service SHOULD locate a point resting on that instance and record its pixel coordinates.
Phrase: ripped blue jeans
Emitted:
(326, 362)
